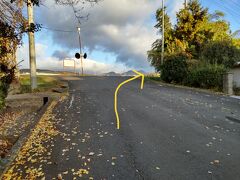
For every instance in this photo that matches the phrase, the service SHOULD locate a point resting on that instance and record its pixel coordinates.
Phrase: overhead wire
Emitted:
(58, 30)
(228, 11)
(235, 5)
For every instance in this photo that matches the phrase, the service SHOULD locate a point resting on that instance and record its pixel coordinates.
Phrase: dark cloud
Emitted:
(61, 54)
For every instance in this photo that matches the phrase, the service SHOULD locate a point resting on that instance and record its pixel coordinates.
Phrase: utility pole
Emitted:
(32, 53)
(163, 30)
(185, 4)
(80, 46)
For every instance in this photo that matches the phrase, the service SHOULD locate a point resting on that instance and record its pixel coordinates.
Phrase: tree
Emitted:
(236, 43)
(155, 53)
(221, 53)
(198, 49)
(189, 26)
(174, 69)
(218, 28)
(12, 24)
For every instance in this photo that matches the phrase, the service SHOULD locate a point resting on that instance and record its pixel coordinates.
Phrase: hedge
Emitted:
(177, 69)
(206, 76)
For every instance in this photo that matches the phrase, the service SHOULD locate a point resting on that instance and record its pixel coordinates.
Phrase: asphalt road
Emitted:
(166, 133)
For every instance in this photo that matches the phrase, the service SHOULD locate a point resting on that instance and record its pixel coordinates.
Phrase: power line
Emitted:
(59, 30)
(236, 5)
(227, 10)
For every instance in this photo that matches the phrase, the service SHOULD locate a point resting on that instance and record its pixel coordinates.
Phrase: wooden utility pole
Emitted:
(32, 53)
(185, 4)
(163, 30)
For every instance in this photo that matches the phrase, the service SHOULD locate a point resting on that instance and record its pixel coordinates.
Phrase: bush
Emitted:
(221, 52)
(174, 68)
(206, 76)
(6, 78)
(236, 90)
(1, 98)
(3, 94)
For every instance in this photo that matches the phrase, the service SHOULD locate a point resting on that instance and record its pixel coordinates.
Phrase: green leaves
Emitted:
(221, 53)
(206, 76)
(198, 34)
(174, 69)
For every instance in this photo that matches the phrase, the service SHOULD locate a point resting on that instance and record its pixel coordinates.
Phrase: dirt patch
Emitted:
(6, 116)
(12, 126)
(20, 116)
(9, 114)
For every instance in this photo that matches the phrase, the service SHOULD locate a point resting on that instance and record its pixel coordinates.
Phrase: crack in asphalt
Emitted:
(132, 157)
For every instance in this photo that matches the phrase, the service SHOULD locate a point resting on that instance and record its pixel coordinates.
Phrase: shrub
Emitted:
(174, 68)
(206, 76)
(6, 78)
(221, 52)
(236, 90)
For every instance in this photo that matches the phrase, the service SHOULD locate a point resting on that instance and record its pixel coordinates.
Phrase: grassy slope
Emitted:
(45, 83)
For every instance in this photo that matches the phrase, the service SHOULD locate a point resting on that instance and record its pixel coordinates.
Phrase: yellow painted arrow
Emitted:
(119, 86)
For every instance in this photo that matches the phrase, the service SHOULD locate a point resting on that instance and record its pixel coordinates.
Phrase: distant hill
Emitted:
(38, 70)
(112, 74)
(131, 73)
(142, 71)
(128, 73)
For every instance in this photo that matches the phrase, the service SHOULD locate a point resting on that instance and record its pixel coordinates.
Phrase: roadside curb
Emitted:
(189, 88)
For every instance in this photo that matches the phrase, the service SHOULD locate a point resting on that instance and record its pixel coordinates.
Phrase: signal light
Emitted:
(77, 56)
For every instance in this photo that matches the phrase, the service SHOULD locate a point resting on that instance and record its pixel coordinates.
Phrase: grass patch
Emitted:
(45, 83)
(153, 76)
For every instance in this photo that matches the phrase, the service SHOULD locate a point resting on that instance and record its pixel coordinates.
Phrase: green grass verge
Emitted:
(153, 78)
(44, 83)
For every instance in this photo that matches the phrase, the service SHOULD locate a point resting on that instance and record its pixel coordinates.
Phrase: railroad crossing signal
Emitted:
(78, 56)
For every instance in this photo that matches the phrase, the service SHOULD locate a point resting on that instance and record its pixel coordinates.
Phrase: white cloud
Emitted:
(173, 7)
(120, 27)
(53, 63)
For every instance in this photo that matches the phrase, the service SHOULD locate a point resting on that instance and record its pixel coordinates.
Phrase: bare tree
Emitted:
(78, 7)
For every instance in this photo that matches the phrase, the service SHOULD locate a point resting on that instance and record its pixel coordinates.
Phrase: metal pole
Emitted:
(163, 29)
(185, 4)
(75, 67)
(80, 45)
(32, 54)
(63, 66)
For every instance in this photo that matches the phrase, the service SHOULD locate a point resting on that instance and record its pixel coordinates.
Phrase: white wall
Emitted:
(236, 76)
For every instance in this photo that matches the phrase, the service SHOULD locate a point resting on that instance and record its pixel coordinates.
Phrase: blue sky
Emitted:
(231, 8)
(111, 43)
